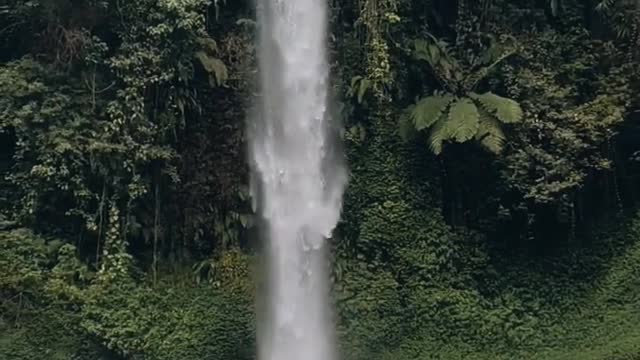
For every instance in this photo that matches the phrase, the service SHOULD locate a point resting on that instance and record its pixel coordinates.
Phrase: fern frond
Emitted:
(438, 135)
(490, 134)
(463, 121)
(425, 51)
(428, 110)
(359, 87)
(506, 110)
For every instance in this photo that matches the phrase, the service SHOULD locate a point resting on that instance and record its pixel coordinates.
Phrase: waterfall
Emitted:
(299, 176)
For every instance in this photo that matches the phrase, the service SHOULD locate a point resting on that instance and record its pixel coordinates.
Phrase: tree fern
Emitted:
(461, 115)
(476, 117)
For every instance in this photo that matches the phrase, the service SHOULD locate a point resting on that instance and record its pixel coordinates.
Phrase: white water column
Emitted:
(299, 176)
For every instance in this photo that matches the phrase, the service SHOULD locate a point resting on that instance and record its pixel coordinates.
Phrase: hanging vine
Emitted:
(377, 16)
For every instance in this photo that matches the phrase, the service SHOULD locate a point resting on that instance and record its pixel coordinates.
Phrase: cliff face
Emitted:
(490, 212)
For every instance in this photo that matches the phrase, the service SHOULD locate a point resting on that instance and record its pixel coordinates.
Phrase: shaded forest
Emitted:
(494, 157)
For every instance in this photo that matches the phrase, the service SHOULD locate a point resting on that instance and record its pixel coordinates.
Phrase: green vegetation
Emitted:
(491, 211)
(460, 114)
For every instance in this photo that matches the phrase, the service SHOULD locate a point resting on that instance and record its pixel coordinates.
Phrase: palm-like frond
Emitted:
(437, 135)
(490, 134)
(462, 115)
(505, 110)
(460, 124)
(463, 121)
(460, 120)
(428, 110)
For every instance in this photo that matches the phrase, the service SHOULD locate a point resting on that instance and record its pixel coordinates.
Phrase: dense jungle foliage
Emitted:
(494, 157)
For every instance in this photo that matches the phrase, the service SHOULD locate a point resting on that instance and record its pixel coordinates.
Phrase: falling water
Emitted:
(299, 178)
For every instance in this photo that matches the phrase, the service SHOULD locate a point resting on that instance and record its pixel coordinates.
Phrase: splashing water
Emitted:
(299, 176)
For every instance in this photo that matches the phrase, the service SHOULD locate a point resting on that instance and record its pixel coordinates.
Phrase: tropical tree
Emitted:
(457, 113)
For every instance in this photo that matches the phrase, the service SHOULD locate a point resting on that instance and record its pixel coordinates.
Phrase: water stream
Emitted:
(299, 176)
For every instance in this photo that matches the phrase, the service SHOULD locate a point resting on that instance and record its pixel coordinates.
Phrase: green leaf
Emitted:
(359, 87)
(422, 51)
(435, 54)
(506, 110)
(463, 121)
(438, 135)
(490, 134)
(428, 110)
